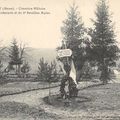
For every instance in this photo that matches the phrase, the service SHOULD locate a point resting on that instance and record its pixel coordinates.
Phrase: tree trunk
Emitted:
(16, 69)
(19, 67)
(104, 75)
(78, 75)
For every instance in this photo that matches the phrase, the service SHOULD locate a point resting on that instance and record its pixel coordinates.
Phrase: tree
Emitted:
(104, 49)
(16, 55)
(25, 68)
(47, 72)
(73, 37)
(2, 54)
(22, 49)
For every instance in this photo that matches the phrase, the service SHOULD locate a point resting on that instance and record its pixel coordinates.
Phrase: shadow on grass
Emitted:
(79, 101)
(72, 103)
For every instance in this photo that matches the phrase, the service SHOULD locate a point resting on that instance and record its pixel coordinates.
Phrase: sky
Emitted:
(44, 30)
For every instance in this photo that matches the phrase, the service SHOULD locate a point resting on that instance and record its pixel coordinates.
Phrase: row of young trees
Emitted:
(46, 72)
(18, 64)
(95, 45)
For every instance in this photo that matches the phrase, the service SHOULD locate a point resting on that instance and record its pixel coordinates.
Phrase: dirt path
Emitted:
(34, 98)
(31, 98)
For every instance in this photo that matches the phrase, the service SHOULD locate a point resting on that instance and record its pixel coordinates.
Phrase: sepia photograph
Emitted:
(59, 60)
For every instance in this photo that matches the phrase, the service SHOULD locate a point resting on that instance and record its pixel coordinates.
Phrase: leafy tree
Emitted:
(47, 72)
(16, 55)
(73, 37)
(103, 48)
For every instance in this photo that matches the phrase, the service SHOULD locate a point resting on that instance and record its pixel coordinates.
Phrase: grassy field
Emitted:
(94, 102)
(20, 87)
(99, 102)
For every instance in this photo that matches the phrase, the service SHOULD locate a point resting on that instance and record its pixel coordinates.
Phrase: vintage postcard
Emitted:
(59, 60)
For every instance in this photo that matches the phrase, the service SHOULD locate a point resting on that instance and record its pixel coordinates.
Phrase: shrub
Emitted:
(47, 72)
(25, 68)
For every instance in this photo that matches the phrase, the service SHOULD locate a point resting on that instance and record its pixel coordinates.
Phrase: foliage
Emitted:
(103, 44)
(14, 54)
(25, 68)
(73, 36)
(87, 71)
(47, 72)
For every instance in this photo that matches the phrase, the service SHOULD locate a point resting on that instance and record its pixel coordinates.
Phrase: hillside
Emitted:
(33, 55)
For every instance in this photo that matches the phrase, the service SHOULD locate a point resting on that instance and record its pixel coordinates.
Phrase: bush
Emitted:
(25, 68)
(47, 72)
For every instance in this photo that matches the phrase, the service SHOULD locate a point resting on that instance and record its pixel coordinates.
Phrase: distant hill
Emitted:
(37, 53)
(33, 55)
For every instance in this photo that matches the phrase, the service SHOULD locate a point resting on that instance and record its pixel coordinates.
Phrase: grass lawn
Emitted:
(10, 88)
(99, 102)
(93, 103)
(19, 87)
(103, 97)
